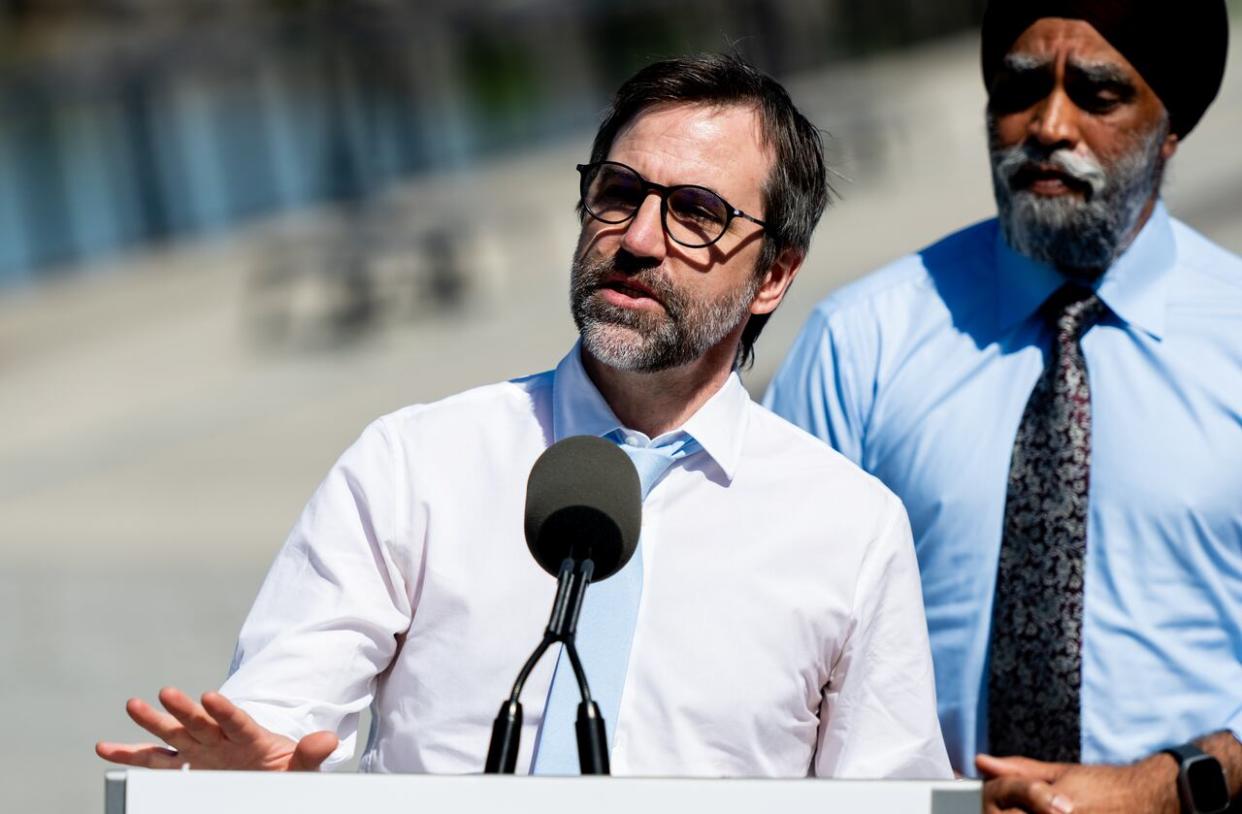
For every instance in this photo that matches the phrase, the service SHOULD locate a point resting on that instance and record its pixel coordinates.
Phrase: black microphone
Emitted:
(583, 501)
(583, 517)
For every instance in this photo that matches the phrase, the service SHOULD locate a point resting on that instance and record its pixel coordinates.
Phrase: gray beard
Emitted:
(1078, 237)
(649, 341)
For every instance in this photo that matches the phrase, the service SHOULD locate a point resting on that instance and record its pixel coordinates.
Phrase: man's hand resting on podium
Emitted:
(215, 734)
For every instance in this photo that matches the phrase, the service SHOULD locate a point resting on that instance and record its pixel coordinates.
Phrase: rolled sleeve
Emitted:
(878, 717)
(332, 609)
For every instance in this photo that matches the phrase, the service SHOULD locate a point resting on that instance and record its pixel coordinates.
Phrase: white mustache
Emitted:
(1086, 169)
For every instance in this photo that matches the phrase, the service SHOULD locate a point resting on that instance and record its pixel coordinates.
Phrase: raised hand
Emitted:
(215, 734)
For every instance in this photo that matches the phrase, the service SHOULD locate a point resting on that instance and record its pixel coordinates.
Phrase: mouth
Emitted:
(1049, 181)
(628, 293)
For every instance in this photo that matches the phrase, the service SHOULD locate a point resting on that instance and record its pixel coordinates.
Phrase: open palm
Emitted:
(215, 734)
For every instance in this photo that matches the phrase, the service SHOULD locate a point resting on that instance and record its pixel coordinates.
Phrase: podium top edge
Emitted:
(120, 775)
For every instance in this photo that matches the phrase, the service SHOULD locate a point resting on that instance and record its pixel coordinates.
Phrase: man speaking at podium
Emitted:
(773, 625)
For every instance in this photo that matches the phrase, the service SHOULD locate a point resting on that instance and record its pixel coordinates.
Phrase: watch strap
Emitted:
(1184, 752)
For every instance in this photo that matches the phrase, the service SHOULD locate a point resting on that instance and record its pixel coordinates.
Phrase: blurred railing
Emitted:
(134, 120)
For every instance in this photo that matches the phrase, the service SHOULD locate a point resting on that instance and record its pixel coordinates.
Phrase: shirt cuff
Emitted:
(275, 719)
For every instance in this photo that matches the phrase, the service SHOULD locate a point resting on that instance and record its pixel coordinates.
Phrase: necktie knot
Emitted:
(1072, 310)
(653, 460)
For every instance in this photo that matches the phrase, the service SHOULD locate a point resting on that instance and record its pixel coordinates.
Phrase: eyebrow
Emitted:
(712, 190)
(1101, 73)
(1024, 63)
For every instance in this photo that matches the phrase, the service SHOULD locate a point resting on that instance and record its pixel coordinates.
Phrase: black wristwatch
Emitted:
(1200, 780)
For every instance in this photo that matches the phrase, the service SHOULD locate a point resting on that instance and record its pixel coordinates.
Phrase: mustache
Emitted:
(594, 273)
(632, 264)
(1030, 158)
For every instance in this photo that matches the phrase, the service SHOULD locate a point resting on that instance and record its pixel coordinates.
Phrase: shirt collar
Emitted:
(1135, 287)
(578, 408)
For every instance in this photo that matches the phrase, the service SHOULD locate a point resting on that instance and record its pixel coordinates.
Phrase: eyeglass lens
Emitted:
(696, 216)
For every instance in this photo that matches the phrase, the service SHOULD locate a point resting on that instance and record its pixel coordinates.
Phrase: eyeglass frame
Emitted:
(663, 190)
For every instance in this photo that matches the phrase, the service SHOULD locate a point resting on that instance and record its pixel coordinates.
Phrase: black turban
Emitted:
(1178, 48)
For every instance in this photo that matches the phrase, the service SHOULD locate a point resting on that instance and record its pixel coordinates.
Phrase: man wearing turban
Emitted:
(1056, 395)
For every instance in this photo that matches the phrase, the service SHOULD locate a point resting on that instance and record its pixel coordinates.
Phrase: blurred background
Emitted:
(232, 232)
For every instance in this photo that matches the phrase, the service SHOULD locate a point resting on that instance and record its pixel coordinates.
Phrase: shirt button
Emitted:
(632, 440)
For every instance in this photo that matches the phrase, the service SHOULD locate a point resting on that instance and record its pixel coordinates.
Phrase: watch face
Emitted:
(1207, 784)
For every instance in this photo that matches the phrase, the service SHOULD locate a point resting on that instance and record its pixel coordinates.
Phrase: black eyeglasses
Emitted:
(693, 216)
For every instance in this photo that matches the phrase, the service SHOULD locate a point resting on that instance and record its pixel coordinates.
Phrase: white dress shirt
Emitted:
(780, 630)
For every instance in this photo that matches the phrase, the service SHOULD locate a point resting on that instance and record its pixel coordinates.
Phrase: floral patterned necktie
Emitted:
(1035, 671)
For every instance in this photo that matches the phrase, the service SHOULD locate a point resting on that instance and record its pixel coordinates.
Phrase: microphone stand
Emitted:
(571, 585)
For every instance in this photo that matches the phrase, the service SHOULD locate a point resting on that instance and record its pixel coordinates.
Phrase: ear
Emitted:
(1169, 147)
(776, 281)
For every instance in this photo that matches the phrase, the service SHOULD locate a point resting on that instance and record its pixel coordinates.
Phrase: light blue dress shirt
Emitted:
(920, 373)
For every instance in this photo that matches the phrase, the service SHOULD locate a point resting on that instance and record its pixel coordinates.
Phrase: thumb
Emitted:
(990, 766)
(313, 750)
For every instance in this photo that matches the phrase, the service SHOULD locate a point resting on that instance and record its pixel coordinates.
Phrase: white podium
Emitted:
(189, 792)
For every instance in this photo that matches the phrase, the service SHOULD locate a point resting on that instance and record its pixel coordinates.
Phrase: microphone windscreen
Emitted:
(583, 499)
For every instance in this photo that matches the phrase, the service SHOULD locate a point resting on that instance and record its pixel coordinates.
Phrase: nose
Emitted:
(1055, 121)
(644, 234)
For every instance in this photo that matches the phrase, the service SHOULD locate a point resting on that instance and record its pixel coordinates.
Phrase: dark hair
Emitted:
(797, 189)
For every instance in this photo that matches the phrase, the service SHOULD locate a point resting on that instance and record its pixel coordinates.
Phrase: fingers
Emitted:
(1016, 766)
(160, 724)
(215, 734)
(313, 750)
(146, 755)
(191, 715)
(1023, 794)
(235, 724)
